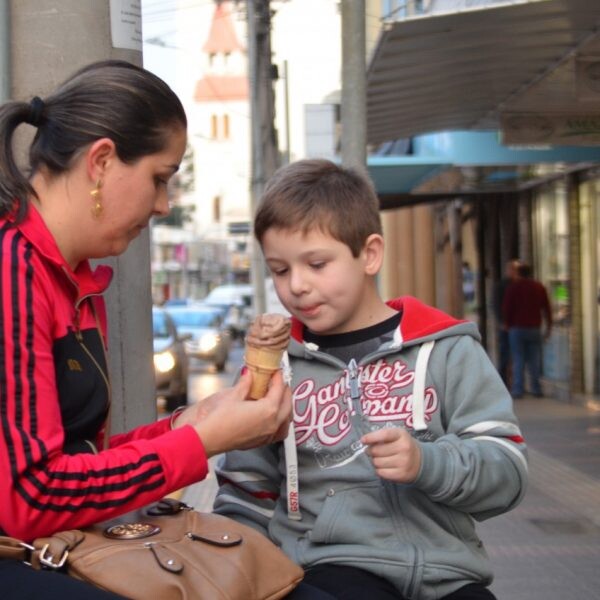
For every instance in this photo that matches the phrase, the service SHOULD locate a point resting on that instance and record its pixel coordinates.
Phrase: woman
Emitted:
(107, 143)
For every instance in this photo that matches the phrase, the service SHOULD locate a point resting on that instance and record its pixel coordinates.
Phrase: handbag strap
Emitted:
(13, 548)
(51, 552)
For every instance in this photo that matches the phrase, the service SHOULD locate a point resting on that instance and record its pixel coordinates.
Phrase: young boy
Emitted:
(404, 431)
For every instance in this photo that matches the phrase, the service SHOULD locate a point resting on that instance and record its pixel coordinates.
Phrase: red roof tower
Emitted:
(222, 40)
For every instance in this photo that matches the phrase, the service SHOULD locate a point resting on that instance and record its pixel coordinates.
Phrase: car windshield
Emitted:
(159, 325)
(196, 318)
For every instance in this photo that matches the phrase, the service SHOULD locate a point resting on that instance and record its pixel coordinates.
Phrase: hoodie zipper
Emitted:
(361, 422)
(354, 384)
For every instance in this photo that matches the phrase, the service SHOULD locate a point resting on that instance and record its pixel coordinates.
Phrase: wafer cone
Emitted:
(263, 362)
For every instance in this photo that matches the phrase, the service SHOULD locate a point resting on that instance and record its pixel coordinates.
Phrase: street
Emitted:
(204, 380)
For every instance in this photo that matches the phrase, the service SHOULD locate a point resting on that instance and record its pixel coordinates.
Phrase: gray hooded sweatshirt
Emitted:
(318, 496)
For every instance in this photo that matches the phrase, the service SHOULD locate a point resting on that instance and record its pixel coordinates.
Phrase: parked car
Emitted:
(170, 360)
(209, 340)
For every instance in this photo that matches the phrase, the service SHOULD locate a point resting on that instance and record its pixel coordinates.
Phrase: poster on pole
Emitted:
(126, 24)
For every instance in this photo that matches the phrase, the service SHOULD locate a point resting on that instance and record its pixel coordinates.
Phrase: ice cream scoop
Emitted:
(266, 340)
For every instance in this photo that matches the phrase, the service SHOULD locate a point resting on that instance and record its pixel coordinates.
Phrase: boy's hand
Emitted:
(396, 455)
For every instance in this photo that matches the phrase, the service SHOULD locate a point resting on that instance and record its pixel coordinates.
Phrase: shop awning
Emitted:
(468, 69)
(401, 174)
(441, 167)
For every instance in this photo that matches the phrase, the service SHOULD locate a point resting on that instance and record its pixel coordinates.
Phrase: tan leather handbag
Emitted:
(167, 552)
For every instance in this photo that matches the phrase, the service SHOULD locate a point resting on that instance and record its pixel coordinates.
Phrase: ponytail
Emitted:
(15, 189)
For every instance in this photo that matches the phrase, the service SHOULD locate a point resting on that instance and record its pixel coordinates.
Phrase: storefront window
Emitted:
(551, 235)
(596, 207)
(551, 267)
(589, 201)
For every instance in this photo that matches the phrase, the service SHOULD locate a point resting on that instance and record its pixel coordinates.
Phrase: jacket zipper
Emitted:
(93, 359)
(79, 337)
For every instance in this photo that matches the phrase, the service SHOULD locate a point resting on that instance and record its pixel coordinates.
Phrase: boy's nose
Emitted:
(297, 282)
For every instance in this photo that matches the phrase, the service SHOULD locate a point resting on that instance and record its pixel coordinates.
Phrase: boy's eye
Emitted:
(278, 272)
(317, 265)
(160, 181)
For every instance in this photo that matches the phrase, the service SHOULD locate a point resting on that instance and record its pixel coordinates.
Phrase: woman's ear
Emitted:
(98, 156)
(373, 253)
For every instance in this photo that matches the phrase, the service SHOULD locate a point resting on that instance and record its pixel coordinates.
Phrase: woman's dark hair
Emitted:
(113, 99)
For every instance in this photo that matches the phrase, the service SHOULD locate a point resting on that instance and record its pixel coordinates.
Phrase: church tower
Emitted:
(221, 129)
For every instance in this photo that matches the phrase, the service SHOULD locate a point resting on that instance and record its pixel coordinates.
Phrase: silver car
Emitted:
(170, 360)
(208, 337)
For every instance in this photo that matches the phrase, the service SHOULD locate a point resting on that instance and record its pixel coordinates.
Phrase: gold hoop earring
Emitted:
(97, 208)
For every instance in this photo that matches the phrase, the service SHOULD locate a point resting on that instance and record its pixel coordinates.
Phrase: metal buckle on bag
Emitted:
(30, 549)
(48, 560)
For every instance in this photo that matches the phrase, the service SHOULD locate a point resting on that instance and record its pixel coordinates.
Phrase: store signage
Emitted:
(451, 6)
(581, 129)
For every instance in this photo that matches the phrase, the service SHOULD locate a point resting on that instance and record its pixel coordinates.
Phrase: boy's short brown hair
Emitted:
(317, 193)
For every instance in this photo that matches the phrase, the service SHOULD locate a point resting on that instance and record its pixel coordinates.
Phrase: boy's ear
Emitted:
(373, 254)
(98, 156)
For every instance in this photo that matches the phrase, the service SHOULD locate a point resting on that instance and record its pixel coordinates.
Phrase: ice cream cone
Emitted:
(266, 340)
(262, 362)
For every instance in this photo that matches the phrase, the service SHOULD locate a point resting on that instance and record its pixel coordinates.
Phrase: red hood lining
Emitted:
(418, 319)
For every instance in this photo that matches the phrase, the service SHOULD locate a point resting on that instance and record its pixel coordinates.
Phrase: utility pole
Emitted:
(354, 84)
(4, 50)
(263, 137)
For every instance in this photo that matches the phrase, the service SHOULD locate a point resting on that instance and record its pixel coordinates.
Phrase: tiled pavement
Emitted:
(548, 548)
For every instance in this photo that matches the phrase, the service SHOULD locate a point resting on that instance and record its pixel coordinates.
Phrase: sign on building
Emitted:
(560, 130)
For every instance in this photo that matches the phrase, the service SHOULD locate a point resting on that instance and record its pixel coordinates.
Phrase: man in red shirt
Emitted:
(511, 272)
(524, 307)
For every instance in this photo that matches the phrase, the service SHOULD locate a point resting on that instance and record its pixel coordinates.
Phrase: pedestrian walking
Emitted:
(525, 308)
(503, 360)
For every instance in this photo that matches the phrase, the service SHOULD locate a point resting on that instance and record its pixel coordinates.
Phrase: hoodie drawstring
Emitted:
(291, 453)
(418, 397)
(291, 469)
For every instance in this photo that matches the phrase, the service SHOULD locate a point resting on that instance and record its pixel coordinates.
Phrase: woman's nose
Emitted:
(162, 205)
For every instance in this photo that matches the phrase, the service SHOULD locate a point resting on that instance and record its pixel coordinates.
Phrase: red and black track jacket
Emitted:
(54, 398)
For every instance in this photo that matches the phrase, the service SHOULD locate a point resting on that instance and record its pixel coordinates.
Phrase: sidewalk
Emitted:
(548, 548)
